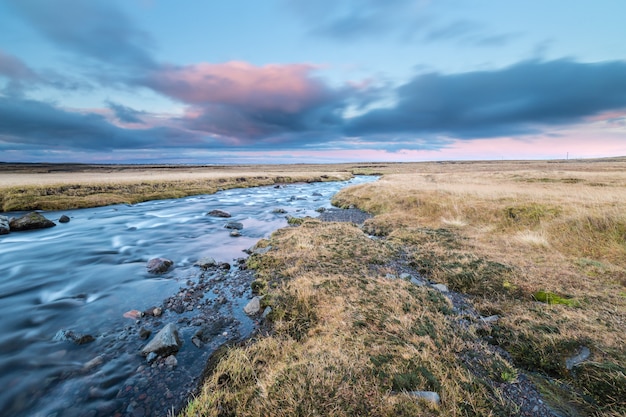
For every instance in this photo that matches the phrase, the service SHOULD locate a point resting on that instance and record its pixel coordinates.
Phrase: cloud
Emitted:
(243, 102)
(93, 29)
(21, 77)
(32, 124)
(521, 99)
(126, 114)
(349, 20)
(469, 33)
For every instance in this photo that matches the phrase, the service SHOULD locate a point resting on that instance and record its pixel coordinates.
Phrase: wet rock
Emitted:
(279, 211)
(95, 362)
(210, 330)
(30, 221)
(64, 219)
(133, 314)
(224, 266)
(4, 225)
(165, 342)
(428, 396)
(144, 333)
(317, 194)
(320, 209)
(159, 265)
(219, 213)
(235, 233)
(206, 262)
(157, 311)
(266, 312)
(171, 361)
(253, 307)
(151, 357)
(64, 335)
(234, 225)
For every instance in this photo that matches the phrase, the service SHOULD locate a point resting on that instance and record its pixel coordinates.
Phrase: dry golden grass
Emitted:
(57, 187)
(345, 339)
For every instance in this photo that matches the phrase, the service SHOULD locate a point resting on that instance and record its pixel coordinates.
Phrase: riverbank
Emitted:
(533, 256)
(70, 186)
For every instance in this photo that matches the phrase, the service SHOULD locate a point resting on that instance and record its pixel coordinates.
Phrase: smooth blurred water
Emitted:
(85, 274)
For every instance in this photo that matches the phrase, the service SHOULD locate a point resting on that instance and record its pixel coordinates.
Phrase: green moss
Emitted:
(552, 298)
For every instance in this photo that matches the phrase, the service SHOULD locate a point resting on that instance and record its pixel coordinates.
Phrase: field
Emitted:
(534, 253)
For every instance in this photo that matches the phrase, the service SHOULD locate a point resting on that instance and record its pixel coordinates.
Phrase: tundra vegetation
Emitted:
(541, 245)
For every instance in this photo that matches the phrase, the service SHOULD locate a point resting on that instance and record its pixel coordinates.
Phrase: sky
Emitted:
(295, 81)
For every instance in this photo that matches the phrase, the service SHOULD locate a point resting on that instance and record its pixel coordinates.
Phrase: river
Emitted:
(84, 275)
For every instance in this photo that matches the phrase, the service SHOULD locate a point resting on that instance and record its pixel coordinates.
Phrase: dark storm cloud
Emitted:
(92, 29)
(524, 98)
(28, 123)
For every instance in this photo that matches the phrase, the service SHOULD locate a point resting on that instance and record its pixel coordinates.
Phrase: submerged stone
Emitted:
(165, 342)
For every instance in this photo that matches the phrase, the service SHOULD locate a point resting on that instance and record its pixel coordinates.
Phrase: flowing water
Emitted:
(84, 275)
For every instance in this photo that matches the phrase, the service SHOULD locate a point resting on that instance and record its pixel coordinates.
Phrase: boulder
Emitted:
(234, 225)
(64, 219)
(159, 265)
(165, 342)
(70, 336)
(30, 221)
(206, 263)
(4, 225)
(219, 213)
(253, 307)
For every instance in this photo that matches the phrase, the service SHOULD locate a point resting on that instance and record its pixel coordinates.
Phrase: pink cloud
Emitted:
(286, 88)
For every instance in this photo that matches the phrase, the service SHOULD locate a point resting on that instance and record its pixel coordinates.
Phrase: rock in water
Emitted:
(218, 213)
(30, 221)
(234, 225)
(4, 225)
(206, 263)
(64, 219)
(69, 336)
(165, 342)
(253, 307)
(159, 265)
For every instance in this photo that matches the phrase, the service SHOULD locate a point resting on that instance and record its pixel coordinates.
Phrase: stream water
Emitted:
(84, 275)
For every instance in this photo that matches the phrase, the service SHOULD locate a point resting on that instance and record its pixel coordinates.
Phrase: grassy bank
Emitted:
(540, 245)
(58, 187)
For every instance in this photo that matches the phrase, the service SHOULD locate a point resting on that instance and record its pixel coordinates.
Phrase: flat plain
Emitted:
(533, 254)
